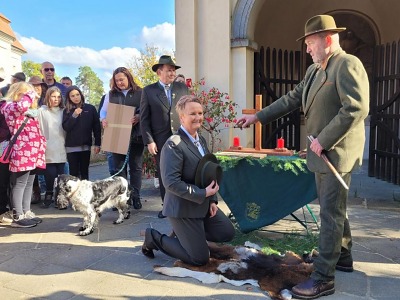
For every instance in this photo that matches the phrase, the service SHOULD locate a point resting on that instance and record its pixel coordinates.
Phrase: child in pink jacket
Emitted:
(27, 153)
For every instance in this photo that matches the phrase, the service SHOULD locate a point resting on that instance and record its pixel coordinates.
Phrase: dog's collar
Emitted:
(77, 188)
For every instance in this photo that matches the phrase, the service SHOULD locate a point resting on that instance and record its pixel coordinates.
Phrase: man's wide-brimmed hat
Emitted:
(35, 80)
(208, 170)
(320, 23)
(164, 60)
(20, 76)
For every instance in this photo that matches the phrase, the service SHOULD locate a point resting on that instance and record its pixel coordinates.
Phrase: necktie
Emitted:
(198, 145)
(168, 92)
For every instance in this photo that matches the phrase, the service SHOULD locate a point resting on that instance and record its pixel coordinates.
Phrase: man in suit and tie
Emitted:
(158, 118)
(334, 95)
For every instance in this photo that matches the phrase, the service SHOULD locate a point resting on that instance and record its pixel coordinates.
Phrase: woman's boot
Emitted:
(135, 202)
(154, 240)
(48, 199)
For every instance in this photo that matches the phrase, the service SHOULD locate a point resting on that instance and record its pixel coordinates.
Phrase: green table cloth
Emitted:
(260, 192)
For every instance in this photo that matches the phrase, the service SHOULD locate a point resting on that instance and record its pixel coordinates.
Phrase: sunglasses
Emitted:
(48, 69)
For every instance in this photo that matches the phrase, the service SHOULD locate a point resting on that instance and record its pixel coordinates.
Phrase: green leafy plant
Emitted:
(219, 110)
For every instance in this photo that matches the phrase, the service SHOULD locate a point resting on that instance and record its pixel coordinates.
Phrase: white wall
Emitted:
(203, 41)
(10, 60)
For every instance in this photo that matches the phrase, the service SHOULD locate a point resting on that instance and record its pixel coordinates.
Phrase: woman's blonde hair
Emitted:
(17, 90)
(50, 91)
(180, 105)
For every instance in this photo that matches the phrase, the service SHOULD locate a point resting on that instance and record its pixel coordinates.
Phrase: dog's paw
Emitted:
(118, 222)
(85, 232)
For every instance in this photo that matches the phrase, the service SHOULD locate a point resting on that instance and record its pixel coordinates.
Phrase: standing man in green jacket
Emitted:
(334, 95)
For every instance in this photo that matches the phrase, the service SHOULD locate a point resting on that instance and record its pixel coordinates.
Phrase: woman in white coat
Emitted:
(50, 121)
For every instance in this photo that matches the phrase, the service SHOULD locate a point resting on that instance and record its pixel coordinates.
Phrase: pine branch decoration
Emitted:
(278, 164)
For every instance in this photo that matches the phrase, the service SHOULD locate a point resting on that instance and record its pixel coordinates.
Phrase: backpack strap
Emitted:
(6, 154)
(14, 138)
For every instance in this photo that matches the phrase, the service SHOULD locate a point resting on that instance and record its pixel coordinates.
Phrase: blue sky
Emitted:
(101, 34)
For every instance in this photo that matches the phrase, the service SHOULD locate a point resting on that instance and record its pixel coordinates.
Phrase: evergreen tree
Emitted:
(90, 85)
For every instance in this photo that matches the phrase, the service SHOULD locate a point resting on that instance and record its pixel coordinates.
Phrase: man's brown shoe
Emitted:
(312, 289)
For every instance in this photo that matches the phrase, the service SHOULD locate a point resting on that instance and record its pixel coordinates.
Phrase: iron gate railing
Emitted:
(384, 145)
(276, 73)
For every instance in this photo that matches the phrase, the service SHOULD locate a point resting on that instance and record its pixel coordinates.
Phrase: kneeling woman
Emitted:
(190, 207)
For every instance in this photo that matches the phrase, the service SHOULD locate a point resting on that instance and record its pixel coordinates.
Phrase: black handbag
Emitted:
(5, 158)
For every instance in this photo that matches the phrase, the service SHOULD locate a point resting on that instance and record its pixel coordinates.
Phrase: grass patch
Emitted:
(294, 242)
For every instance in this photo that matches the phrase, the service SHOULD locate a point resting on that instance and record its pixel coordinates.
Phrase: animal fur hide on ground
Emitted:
(242, 265)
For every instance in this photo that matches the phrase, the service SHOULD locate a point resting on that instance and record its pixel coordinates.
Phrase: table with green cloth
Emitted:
(261, 191)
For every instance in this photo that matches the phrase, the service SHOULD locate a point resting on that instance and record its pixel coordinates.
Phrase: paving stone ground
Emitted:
(51, 261)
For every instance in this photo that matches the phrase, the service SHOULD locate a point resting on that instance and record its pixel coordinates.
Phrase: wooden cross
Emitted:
(251, 111)
(257, 151)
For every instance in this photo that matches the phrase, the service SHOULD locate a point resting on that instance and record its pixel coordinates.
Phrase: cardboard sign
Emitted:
(117, 134)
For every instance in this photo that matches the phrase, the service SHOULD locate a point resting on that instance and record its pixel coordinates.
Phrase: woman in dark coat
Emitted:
(81, 123)
(124, 91)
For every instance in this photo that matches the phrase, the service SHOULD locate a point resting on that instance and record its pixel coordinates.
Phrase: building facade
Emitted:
(11, 51)
(217, 39)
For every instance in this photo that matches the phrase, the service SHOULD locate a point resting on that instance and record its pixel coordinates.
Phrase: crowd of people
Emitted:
(334, 96)
(46, 129)
(71, 129)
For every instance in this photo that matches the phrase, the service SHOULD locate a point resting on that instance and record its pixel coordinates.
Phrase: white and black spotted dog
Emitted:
(91, 198)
